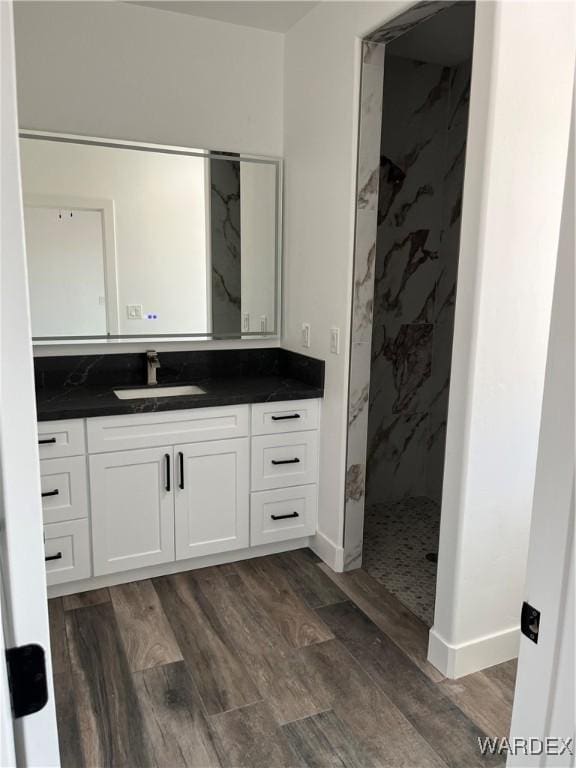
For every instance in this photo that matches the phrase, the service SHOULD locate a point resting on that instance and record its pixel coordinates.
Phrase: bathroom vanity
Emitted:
(158, 461)
(156, 485)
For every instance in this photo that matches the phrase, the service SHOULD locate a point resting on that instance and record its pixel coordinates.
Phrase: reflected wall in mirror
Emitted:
(128, 240)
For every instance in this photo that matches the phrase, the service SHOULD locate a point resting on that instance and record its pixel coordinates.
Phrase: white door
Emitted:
(23, 610)
(212, 497)
(544, 700)
(65, 249)
(132, 495)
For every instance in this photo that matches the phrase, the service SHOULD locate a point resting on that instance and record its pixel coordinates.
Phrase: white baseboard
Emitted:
(327, 551)
(458, 660)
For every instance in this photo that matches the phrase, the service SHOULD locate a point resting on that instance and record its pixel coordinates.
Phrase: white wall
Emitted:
(123, 71)
(516, 159)
(159, 222)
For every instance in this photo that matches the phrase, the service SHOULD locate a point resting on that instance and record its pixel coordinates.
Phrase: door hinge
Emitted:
(530, 622)
(27, 679)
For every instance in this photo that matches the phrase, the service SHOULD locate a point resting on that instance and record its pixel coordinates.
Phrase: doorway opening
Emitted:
(425, 93)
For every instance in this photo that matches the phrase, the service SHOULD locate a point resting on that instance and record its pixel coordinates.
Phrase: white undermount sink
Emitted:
(143, 393)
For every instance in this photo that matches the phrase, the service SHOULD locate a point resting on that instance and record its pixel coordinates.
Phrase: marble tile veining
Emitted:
(412, 142)
(406, 21)
(225, 236)
(415, 277)
(362, 304)
(70, 387)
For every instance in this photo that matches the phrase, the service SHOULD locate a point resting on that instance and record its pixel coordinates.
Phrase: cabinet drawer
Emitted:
(289, 416)
(284, 460)
(61, 438)
(149, 430)
(67, 551)
(64, 489)
(286, 513)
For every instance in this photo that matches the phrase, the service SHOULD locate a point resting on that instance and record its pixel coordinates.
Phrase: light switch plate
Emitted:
(134, 311)
(306, 335)
(335, 341)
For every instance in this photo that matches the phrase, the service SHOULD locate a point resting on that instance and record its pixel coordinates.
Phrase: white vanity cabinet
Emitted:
(153, 493)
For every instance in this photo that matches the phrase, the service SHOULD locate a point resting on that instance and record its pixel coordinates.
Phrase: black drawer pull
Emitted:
(47, 440)
(283, 418)
(286, 461)
(181, 462)
(284, 517)
(57, 556)
(50, 493)
(167, 459)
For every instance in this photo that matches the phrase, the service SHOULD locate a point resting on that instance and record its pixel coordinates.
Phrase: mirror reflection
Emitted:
(133, 240)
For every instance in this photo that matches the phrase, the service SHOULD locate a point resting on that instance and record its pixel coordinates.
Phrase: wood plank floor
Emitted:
(275, 662)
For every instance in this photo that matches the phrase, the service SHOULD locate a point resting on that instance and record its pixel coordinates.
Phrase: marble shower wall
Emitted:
(225, 246)
(421, 178)
(368, 179)
(364, 261)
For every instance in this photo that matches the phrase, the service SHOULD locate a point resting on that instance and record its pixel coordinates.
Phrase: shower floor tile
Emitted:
(397, 538)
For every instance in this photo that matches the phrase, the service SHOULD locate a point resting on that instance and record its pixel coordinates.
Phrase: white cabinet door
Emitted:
(212, 505)
(132, 509)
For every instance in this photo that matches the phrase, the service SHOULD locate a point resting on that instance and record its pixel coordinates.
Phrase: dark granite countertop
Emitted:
(80, 387)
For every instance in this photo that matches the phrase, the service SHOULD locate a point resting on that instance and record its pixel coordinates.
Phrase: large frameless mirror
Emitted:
(129, 240)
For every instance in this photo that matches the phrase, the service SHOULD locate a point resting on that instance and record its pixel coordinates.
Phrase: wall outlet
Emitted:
(335, 341)
(306, 335)
(245, 322)
(134, 311)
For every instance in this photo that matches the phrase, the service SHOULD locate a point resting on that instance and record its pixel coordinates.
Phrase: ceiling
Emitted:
(275, 16)
(446, 38)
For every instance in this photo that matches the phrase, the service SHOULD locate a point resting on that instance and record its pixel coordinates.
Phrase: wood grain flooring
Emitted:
(274, 662)
(148, 637)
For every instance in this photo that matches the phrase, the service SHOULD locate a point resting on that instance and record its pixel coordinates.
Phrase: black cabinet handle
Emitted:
(57, 556)
(284, 517)
(286, 461)
(46, 440)
(181, 468)
(50, 493)
(167, 457)
(283, 418)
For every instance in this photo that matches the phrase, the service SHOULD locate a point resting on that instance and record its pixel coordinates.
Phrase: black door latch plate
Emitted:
(27, 679)
(530, 622)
